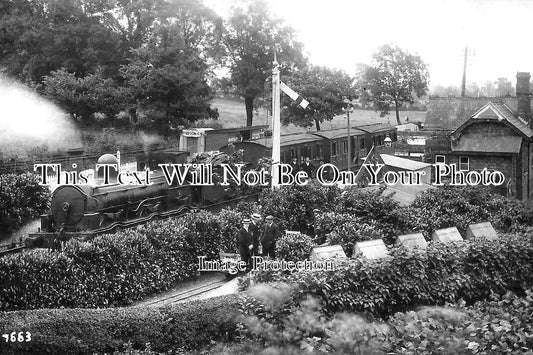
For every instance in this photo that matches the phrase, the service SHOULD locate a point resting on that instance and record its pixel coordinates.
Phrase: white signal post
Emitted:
(276, 123)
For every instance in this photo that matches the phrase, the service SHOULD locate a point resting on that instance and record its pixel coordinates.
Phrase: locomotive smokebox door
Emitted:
(68, 205)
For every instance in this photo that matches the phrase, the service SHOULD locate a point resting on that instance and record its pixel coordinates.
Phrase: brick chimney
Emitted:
(524, 96)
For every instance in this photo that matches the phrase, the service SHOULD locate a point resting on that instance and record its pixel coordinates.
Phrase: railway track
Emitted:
(187, 294)
(16, 247)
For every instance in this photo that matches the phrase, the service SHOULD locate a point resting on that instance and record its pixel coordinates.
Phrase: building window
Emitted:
(334, 149)
(345, 147)
(440, 159)
(362, 143)
(464, 163)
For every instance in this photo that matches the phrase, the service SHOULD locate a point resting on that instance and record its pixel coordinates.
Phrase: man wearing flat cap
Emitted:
(255, 232)
(270, 236)
(245, 243)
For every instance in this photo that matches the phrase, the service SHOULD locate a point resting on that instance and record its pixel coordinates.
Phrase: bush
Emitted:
(84, 331)
(451, 206)
(346, 229)
(501, 326)
(373, 209)
(116, 269)
(293, 247)
(444, 273)
(293, 205)
(21, 198)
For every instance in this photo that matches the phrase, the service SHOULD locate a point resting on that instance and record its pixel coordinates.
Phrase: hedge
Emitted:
(21, 198)
(116, 269)
(86, 331)
(293, 205)
(503, 325)
(452, 206)
(444, 273)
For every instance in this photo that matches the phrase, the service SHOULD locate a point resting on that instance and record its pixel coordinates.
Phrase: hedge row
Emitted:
(87, 331)
(452, 206)
(444, 273)
(116, 269)
(500, 326)
(371, 213)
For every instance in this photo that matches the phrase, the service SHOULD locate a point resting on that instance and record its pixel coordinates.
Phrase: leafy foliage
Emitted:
(21, 198)
(444, 273)
(292, 206)
(392, 79)
(249, 38)
(346, 229)
(39, 37)
(292, 247)
(88, 331)
(106, 57)
(324, 88)
(119, 268)
(83, 97)
(371, 208)
(452, 206)
(168, 79)
(280, 325)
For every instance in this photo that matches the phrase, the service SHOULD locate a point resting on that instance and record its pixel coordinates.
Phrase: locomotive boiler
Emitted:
(77, 208)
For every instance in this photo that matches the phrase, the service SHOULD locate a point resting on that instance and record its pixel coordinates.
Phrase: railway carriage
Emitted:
(327, 146)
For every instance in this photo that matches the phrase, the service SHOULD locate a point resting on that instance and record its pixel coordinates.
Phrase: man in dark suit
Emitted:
(308, 167)
(255, 232)
(245, 243)
(294, 165)
(270, 236)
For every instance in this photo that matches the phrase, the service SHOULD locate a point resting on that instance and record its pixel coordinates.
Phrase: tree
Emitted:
(168, 79)
(393, 78)
(252, 34)
(488, 89)
(83, 97)
(504, 87)
(472, 90)
(324, 88)
(448, 91)
(42, 36)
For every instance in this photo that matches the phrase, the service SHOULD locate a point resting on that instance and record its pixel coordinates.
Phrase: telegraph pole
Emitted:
(463, 85)
(349, 140)
(348, 109)
(275, 123)
(467, 52)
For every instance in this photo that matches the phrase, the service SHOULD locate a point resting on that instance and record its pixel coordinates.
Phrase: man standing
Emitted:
(255, 232)
(270, 236)
(308, 167)
(294, 165)
(245, 243)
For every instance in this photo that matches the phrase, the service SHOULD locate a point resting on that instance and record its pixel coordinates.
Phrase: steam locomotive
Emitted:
(83, 211)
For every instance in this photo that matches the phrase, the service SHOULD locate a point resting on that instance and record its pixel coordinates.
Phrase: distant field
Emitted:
(233, 114)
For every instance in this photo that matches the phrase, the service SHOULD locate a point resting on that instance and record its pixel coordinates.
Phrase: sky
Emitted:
(341, 33)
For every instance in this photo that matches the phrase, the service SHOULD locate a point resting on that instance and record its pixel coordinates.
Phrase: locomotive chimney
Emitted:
(524, 96)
